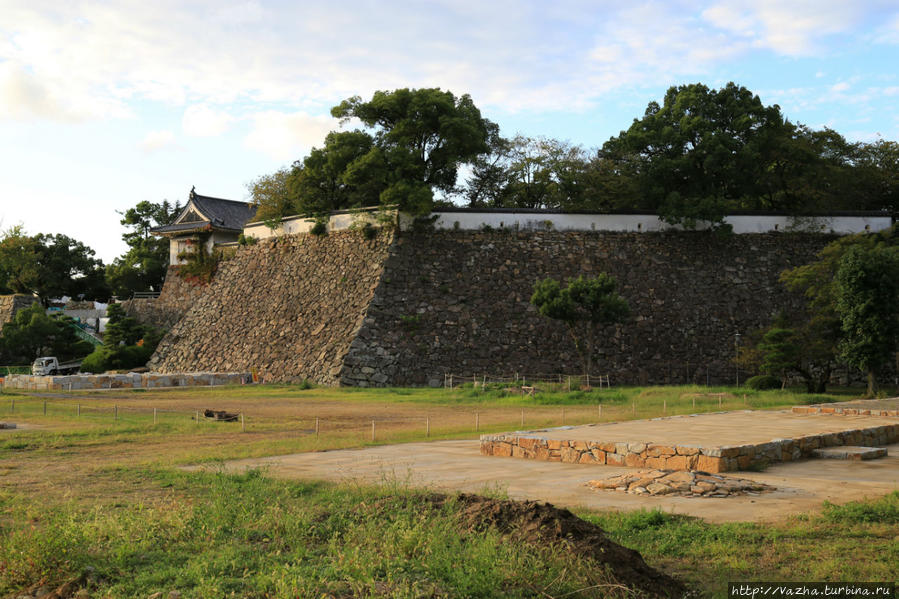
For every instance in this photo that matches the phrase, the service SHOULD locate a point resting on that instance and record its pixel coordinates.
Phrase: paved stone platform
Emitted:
(717, 442)
(851, 453)
(859, 407)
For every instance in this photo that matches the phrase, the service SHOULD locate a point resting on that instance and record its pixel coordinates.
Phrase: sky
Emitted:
(106, 104)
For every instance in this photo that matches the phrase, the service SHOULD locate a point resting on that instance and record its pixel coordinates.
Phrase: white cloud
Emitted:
(157, 140)
(888, 33)
(839, 87)
(792, 28)
(200, 120)
(287, 136)
(518, 55)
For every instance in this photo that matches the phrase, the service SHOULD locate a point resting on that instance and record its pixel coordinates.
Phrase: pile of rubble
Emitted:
(693, 483)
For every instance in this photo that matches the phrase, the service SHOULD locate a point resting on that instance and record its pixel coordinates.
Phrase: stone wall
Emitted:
(10, 304)
(177, 297)
(131, 380)
(680, 457)
(406, 308)
(286, 308)
(458, 302)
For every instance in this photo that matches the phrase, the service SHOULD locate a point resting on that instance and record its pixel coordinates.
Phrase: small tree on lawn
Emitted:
(585, 305)
(868, 306)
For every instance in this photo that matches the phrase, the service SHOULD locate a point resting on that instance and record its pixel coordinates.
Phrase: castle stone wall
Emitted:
(286, 308)
(405, 310)
(459, 302)
(10, 304)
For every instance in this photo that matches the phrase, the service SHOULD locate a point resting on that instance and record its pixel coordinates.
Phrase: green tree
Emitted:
(422, 136)
(270, 195)
(49, 266)
(585, 305)
(126, 343)
(143, 266)
(68, 267)
(700, 153)
(868, 305)
(347, 172)
(32, 333)
(19, 261)
(820, 329)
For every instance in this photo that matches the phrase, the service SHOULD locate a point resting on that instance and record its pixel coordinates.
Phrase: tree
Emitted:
(585, 305)
(422, 136)
(126, 343)
(347, 172)
(32, 334)
(820, 329)
(867, 299)
(19, 261)
(143, 266)
(68, 267)
(270, 195)
(699, 153)
(49, 266)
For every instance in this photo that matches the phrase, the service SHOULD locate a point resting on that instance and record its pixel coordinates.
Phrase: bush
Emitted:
(764, 381)
(122, 357)
(319, 228)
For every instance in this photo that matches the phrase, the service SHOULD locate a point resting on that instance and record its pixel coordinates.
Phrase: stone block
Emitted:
(654, 450)
(502, 449)
(681, 462)
(634, 460)
(599, 456)
(614, 459)
(527, 442)
(586, 458)
(658, 463)
(710, 464)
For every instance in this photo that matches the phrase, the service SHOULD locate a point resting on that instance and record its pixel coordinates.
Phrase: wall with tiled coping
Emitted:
(725, 458)
(123, 381)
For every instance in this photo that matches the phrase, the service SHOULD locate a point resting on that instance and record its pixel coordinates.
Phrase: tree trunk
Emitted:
(872, 384)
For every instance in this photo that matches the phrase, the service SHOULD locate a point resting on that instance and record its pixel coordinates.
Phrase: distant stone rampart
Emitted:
(405, 308)
(287, 308)
(10, 304)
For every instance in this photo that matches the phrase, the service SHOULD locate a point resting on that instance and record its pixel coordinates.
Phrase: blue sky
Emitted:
(105, 104)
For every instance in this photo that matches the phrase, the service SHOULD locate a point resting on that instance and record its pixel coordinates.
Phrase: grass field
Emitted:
(95, 488)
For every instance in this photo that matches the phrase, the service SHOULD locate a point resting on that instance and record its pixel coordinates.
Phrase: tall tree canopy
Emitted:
(412, 146)
(49, 266)
(692, 158)
(143, 266)
(701, 152)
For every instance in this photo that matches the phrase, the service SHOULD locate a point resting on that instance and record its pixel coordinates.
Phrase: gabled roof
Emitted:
(204, 213)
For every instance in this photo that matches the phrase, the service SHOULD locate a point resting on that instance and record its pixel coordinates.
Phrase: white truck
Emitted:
(50, 365)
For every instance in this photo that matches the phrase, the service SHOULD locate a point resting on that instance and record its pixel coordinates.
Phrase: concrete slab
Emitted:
(456, 466)
(850, 452)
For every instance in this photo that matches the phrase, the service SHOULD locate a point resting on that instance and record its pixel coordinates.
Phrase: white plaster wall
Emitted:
(299, 224)
(649, 223)
(471, 221)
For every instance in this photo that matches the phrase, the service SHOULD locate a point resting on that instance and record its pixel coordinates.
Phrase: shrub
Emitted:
(368, 231)
(319, 228)
(764, 381)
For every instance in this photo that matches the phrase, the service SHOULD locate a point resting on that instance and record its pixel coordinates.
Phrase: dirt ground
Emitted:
(458, 466)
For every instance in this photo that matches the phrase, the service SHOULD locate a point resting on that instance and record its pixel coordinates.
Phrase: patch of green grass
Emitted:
(246, 535)
(882, 511)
